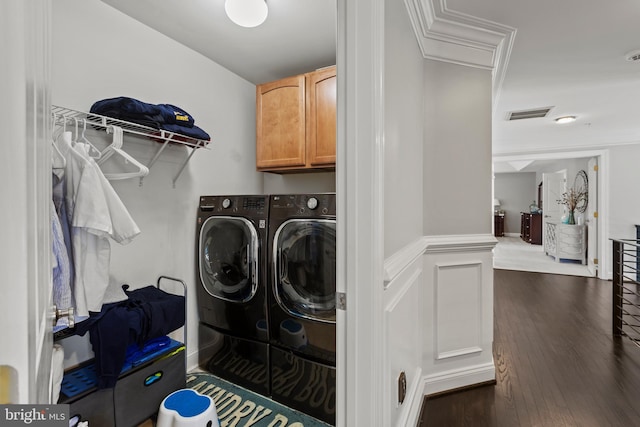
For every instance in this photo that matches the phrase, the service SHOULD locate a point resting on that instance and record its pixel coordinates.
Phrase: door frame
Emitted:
(360, 212)
(604, 246)
(25, 169)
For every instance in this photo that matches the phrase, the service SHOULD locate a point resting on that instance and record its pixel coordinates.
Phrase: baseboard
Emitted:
(192, 361)
(459, 378)
(512, 234)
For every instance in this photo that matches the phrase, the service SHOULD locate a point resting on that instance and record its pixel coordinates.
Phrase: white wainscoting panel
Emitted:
(403, 342)
(458, 305)
(458, 297)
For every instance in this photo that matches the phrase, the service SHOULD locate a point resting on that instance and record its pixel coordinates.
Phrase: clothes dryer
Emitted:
(232, 299)
(302, 302)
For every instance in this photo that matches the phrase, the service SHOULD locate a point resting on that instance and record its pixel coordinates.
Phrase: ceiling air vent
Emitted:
(528, 114)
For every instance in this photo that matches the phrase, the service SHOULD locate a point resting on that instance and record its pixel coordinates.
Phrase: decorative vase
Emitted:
(572, 219)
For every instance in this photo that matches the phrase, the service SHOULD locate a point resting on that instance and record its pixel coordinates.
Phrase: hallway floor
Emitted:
(557, 364)
(513, 253)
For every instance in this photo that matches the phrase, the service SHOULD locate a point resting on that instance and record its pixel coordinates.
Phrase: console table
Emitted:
(566, 241)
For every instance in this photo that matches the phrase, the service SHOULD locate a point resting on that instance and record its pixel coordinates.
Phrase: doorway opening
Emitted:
(595, 164)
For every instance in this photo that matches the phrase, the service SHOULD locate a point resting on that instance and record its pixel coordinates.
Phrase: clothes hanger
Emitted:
(116, 149)
(62, 128)
(58, 161)
(92, 148)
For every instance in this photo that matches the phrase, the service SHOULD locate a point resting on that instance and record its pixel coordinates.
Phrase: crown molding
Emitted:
(455, 37)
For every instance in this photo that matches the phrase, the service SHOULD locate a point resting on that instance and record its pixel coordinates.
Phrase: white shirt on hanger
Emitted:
(95, 214)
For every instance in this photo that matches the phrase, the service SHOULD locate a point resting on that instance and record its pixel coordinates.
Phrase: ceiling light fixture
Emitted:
(565, 119)
(633, 56)
(246, 13)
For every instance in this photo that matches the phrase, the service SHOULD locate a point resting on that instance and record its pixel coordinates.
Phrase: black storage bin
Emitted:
(136, 397)
(96, 407)
(138, 394)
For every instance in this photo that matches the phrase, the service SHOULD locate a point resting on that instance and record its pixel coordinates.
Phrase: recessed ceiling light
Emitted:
(566, 119)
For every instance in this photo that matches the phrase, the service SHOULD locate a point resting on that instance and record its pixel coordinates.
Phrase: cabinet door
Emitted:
(280, 123)
(321, 117)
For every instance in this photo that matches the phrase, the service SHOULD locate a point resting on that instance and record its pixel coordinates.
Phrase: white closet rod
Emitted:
(63, 115)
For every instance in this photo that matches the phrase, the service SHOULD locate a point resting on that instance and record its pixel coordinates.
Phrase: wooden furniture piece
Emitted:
(566, 241)
(531, 228)
(296, 123)
(498, 224)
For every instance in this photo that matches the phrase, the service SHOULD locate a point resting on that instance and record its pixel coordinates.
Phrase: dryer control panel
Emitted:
(304, 205)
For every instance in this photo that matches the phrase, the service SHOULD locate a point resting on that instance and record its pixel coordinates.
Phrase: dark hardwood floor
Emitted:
(557, 363)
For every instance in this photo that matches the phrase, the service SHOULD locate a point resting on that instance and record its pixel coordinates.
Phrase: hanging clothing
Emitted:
(61, 267)
(95, 213)
(58, 193)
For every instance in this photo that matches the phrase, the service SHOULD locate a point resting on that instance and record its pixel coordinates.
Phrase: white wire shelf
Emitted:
(63, 115)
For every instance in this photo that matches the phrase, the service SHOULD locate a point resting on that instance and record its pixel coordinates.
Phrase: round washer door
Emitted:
(228, 258)
(304, 260)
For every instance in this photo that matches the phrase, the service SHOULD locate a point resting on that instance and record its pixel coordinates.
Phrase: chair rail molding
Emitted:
(460, 243)
(397, 262)
(450, 36)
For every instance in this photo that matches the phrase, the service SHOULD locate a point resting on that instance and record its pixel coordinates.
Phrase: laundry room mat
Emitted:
(233, 402)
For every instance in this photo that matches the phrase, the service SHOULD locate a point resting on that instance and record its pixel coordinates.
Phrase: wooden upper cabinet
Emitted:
(296, 123)
(321, 117)
(280, 123)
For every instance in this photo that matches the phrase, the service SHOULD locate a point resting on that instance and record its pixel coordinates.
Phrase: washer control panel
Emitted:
(250, 205)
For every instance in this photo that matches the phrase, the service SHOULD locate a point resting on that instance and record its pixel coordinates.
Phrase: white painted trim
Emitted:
(456, 378)
(396, 263)
(446, 35)
(403, 258)
(460, 243)
(402, 290)
(400, 295)
(558, 152)
(456, 353)
(512, 234)
(360, 204)
(343, 382)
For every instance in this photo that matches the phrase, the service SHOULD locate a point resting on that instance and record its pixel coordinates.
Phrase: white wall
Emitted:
(317, 182)
(515, 191)
(403, 193)
(100, 53)
(624, 192)
(403, 131)
(457, 153)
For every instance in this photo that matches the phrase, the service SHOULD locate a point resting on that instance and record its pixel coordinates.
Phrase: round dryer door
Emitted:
(228, 258)
(305, 268)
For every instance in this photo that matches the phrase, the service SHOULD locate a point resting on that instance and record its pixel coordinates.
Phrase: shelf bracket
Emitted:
(193, 150)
